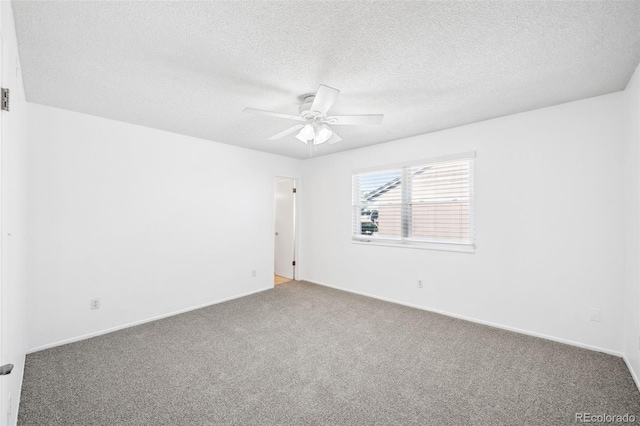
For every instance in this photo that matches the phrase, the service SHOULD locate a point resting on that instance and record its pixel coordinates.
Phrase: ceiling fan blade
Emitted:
(325, 97)
(273, 114)
(355, 119)
(286, 132)
(334, 138)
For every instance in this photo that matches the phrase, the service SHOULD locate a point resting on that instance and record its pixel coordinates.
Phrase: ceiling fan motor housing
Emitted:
(305, 110)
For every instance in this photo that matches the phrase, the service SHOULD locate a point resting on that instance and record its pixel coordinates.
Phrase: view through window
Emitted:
(429, 202)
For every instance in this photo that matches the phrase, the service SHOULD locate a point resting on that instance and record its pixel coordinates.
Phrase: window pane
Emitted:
(379, 187)
(440, 202)
(441, 222)
(379, 196)
(440, 182)
(381, 220)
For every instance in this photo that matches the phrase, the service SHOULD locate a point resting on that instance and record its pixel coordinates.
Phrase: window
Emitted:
(428, 204)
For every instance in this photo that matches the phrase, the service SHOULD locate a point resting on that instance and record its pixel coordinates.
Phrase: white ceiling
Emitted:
(191, 67)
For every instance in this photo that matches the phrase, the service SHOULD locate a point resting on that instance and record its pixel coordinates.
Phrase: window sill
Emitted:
(459, 248)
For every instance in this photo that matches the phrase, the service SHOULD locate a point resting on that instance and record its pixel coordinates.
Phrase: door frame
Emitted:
(296, 185)
(5, 407)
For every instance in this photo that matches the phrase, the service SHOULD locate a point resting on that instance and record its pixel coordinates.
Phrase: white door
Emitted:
(285, 227)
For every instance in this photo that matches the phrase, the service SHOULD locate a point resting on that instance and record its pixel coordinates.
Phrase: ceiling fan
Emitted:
(313, 112)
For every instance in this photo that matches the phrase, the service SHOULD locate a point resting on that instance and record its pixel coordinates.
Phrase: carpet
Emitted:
(303, 354)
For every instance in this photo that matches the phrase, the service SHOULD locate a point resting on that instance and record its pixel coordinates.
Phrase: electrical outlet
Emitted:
(95, 304)
(253, 273)
(420, 284)
(594, 314)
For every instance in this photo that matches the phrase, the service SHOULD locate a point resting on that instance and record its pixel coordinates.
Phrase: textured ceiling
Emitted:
(191, 67)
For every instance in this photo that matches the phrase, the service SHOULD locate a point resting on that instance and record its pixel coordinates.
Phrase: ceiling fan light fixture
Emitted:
(307, 133)
(323, 134)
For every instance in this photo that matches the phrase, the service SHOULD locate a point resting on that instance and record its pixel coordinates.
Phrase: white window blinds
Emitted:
(431, 202)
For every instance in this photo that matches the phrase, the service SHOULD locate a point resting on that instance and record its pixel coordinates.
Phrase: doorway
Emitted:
(285, 230)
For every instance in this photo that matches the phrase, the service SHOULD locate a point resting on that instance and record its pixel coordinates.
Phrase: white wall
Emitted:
(150, 222)
(632, 226)
(13, 233)
(549, 227)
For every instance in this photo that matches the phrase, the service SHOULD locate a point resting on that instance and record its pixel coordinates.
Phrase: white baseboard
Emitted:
(15, 414)
(633, 373)
(475, 320)
(133, 324)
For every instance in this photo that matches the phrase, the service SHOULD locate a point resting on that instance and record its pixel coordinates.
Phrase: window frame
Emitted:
(406, 219)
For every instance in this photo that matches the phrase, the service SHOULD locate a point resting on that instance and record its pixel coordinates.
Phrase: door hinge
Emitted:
(293, 263)
(294, 190)
(5, 99)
